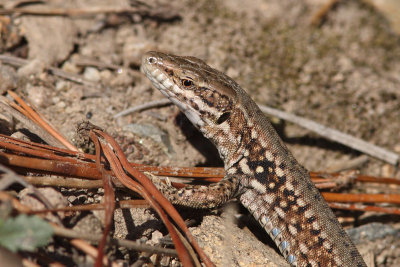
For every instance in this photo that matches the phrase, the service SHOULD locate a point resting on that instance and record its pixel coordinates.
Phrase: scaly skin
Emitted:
(260, 170)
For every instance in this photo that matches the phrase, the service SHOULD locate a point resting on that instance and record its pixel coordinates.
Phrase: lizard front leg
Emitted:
(199, 196)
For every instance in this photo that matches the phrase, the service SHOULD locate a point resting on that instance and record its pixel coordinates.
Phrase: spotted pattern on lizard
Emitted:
(260, 170)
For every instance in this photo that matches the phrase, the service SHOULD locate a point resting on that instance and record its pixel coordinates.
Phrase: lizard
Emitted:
(260, 170)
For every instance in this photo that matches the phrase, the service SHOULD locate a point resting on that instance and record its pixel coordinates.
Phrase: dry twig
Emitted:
(335, 135)
(160, 12)
(19, 62)
(148, 105)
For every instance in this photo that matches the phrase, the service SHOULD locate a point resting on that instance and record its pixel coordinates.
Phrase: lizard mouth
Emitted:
(159, 79)
(152, 67)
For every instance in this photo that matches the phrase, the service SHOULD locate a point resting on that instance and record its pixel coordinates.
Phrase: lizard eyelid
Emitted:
(187, 82)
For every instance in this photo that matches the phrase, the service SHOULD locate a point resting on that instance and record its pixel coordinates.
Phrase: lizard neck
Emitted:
(247, 134)
(229, 138)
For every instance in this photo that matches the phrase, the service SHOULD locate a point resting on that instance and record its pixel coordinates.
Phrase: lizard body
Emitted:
(260, 170)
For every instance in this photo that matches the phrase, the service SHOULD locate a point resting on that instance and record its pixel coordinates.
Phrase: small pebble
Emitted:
(39, 96)
(156, 236)
(8, 78)
(91, 74)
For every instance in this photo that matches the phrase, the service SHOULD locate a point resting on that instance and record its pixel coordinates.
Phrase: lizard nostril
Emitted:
(152, 60)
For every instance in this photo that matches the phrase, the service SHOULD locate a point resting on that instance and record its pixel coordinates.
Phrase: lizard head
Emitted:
(207, 97)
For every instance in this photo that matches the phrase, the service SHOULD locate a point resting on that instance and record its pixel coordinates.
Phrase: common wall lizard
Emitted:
(260, 170)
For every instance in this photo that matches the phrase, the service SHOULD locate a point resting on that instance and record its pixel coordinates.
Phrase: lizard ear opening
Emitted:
(223, 117)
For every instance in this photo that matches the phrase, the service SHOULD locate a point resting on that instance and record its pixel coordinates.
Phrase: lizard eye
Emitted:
(223, 117)
(187, 83)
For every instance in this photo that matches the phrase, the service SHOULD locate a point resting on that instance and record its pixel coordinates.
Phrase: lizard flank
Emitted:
(260, 170)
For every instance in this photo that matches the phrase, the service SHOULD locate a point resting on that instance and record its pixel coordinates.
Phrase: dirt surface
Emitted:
(342, 71)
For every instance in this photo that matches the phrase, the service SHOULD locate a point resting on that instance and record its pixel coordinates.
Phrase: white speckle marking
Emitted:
(278, 161)
(338, 261)
(254, 134)
(313, 263)
(303, 248)
(315, 225)
(279, 172)
(292, 230)
(300, 202)
(280, 212)
(289, 186)
(323, 235)
(262, 142)
(244, 166)
(308, 214)
(258, 186)
(269, 198)
(269, 155)
(327, 245)
(259, 169)
(232, 170)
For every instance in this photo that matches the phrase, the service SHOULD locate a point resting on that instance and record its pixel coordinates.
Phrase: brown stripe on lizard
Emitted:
(260, 170)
